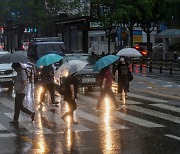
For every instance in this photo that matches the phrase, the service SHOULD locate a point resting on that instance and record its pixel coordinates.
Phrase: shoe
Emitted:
(32, 116)
(97, 109)
(54, 103)
(74, 122)
(14, 122)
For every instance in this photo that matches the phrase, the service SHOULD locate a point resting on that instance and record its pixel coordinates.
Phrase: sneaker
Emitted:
(14, 122)
(32, 116)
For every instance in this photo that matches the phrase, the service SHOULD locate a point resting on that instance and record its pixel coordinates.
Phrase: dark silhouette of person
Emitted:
(70, 83)
(123, 81)
(47, 79)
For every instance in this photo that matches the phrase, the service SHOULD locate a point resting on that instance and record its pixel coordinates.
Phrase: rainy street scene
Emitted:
(90, 77)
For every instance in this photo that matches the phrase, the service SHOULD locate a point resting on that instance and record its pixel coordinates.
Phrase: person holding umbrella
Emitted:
(67, 73)
(20, 86)
(123, 79)
(102, 65)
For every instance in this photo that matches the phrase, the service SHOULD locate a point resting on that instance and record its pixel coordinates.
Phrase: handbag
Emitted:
(130, 76)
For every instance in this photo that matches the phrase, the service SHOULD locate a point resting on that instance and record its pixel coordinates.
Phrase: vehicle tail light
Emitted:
(144, 53)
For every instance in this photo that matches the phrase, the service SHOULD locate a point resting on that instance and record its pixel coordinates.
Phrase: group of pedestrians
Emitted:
(71, 86)
(107, 78)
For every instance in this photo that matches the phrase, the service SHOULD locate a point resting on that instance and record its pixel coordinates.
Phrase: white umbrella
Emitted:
(70, 67)
(15, 57)
(129, 52)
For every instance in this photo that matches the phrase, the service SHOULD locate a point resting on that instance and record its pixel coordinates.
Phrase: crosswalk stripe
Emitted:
(96, 119)
(172, 136)
(8, 135)
(25, 122)
(94, 101)
(2, 127)
(167, 107)
(55, 118)
(154, 113)
(150, 99)
(136, 120)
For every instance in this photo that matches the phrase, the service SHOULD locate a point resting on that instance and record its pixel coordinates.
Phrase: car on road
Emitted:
(7, 75)
(39, 49)
(86, 77)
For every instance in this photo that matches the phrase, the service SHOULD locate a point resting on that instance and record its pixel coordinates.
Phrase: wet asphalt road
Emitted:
(148, 122)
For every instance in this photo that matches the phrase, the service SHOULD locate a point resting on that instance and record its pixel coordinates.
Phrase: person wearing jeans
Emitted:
(20, 91)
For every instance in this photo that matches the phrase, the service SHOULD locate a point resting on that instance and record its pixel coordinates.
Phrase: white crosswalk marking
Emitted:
(2, 127)
(151, 99)
(8, 135)
(173, 136)
(94, 101)
(91, 117)
(96, 119)
(25, 122)
(167, 107)
(136, 120)
(55, 118)
(154, 113)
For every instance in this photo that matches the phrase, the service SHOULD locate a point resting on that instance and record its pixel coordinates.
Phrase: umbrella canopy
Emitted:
(70, 67)
(105, 61)
(15, 57)
(129, 52)
(48, 59)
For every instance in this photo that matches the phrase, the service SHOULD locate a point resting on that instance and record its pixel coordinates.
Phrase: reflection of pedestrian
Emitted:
(20, 90)
(70, 83)
(107, 79)
(123, 82)
(47, 78)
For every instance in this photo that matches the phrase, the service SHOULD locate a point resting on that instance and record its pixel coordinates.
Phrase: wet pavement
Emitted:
(148, 122)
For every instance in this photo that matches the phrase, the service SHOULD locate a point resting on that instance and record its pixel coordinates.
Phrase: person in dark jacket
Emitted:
(70, 84)
(47, 79)
(123, 82)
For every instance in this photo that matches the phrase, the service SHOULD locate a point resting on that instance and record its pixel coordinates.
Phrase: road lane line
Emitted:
(167, 107)
(97, 120)
(136, 120)
(154, 113)
(172, 136)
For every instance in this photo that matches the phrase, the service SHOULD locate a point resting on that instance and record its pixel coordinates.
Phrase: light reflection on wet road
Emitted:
(97, 132)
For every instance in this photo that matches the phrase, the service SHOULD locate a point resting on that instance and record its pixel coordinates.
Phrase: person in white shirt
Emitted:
(20, 86)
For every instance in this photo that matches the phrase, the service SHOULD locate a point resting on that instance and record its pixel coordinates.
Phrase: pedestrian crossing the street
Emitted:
(155, 114)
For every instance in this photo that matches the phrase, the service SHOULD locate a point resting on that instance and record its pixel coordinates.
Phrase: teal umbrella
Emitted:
(105, 61)
(48, 59)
